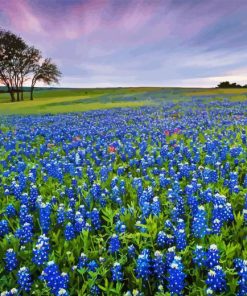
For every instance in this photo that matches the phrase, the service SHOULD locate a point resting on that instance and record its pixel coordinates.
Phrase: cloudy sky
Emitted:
(101, 43)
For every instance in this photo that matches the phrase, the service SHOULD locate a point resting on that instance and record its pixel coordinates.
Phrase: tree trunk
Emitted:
(32, 87)
(22, 92)
(31, 93)
(12, 95)
(18, 95)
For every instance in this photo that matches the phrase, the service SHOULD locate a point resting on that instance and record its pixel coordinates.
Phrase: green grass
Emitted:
(28, 108)
(79, 92)
(216, 91)
(233, 94)
(75, 100)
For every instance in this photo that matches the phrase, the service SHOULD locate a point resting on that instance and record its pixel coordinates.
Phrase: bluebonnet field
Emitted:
(147, 201)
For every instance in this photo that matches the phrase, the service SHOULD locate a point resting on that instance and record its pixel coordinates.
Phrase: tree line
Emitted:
(21, 63)
(227, 84)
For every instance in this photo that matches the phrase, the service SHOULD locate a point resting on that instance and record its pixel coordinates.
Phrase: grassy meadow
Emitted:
(75, 100)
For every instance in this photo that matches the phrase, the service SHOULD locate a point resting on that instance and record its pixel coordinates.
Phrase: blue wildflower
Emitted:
(114, 244)
(45, 217)
(170, 255)
(213, 256)
(24, 215)
(95, 290)
(83, 261)
(180, 237)
(156, 206)
(25, 233)
(216, 279)
(33, 196)
(104, 174)
(120, 227)
(69, 231)
(216, 226)
(95, 218)
(10, 211)
(117, 274)
(143, 265)
(241, 267)
(242, 282)
(131, 251)
(176, 277)
(55, 280)
(60, 214)
(92, 266)
(24, 279)
(41, 250)
(4, 228)
(199, 257)
(199, 223)
(159, 266)
(161, 239)
(10, 260)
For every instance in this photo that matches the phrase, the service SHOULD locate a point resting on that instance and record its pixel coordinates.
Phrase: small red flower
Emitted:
(167, 133)
(111, 149)
(176, 131)
(76, 139)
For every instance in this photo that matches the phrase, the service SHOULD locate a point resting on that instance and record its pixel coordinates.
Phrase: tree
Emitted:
(20, 62)
(235, 85)
(227, 84)
(47, 72)
(17, 63)
(11, 49)
(29, 63)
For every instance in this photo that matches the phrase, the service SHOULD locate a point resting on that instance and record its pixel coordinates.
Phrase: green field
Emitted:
(73, 100)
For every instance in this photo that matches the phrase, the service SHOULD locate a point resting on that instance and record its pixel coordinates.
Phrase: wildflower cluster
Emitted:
(125, 201)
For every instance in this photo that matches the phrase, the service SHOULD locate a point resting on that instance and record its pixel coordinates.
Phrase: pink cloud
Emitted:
(95, 20)
(99, 22)
(21, 16)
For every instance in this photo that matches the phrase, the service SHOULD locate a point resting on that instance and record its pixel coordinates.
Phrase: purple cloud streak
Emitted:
(139, 42)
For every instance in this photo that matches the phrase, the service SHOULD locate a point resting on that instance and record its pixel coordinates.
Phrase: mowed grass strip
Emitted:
(25, 108)
(216, 91)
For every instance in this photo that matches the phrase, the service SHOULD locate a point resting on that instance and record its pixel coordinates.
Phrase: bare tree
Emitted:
(47, 72)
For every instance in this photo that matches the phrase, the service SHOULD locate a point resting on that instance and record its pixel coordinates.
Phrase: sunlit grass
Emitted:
(238, 98)
(29, 108)
(72, 100)
(216, 91)
(83, 92)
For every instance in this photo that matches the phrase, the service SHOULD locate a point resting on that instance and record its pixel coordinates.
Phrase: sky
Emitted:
(112, 43)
